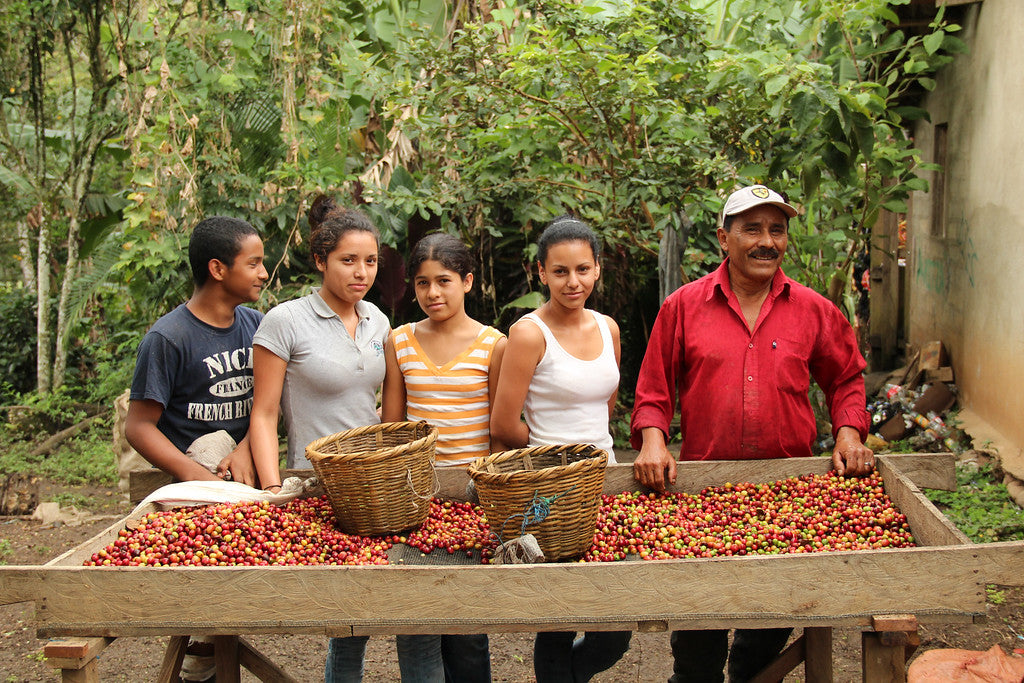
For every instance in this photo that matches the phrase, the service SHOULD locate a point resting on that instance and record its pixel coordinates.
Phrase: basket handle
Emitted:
(412, 486)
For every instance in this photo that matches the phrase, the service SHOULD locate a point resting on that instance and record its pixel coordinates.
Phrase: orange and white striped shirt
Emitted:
(453, 397)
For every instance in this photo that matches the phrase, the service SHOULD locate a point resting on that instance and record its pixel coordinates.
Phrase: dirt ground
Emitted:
(137, 659)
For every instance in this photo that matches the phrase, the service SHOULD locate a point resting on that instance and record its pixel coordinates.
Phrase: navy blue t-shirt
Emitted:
(200, 374)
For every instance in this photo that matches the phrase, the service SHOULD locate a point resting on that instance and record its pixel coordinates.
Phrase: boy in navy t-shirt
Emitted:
(193, 374)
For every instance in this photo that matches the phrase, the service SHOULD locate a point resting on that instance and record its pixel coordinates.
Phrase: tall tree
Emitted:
(53, 136)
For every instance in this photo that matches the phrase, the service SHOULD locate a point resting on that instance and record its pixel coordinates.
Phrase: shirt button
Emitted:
(750, 378)
(750, 345)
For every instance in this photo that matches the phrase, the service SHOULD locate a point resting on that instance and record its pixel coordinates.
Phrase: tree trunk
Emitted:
(60, 351)
(26, 259)
(44, 333)
(83, 163)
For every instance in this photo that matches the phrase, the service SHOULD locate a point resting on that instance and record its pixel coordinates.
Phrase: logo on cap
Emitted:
(759, 191)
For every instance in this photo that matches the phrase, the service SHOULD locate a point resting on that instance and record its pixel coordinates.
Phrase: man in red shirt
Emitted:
(739, 346)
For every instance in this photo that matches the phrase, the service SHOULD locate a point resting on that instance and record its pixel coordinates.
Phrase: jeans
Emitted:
(467, 658)
(559, 657)
(419, 659)
(700, 655)
(345, 659)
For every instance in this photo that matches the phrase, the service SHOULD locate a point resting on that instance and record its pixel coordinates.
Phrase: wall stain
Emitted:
(956, 256)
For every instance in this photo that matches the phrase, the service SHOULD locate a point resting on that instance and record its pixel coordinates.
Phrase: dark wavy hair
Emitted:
(323, 241)
(321, 209)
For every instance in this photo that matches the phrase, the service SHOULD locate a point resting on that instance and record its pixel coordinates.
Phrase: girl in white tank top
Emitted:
(561, 366)
(561, 370)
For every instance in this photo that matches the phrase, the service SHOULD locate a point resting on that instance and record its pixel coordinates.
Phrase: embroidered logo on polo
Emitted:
(378, 347)
(759, 191)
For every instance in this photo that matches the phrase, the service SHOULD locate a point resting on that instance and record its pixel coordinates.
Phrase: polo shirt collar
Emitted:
(720, 281)
(321, 308)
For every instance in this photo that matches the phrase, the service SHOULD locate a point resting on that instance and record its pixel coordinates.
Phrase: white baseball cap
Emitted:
(748, 197)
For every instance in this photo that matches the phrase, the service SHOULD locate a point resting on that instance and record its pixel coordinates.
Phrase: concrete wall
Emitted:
(964, 278)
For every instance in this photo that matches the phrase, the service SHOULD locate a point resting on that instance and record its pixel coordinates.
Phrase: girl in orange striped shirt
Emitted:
(444, 370)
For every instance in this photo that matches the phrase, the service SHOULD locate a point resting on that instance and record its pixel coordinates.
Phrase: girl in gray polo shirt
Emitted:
(319, 360)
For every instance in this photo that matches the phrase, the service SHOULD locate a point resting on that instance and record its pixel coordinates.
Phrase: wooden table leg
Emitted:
(76, 658)
(885, 650)
(818, 654)
(170, 667)
(261, 667)
(225, 656)
(881, 663)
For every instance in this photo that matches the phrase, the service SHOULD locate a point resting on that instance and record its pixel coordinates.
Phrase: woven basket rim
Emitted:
(592, 456)
(376, 454)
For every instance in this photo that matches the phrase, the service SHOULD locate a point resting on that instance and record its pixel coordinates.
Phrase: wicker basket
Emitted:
(508, 482)
(379, 478)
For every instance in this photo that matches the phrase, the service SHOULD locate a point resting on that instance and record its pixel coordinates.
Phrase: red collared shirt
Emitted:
(741, 395)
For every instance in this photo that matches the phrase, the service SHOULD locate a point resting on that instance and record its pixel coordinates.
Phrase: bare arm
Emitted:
(141, 431)
(268, 372)
(613, 328)
(523, 351)
(393, 398)
(494, 372)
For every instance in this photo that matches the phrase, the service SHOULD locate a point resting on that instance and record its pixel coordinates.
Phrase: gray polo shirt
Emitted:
(332, 380)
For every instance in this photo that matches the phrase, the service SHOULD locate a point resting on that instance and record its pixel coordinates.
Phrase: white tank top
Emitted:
(568, 398)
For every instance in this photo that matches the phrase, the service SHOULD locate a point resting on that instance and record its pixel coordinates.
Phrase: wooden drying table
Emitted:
(886, 592)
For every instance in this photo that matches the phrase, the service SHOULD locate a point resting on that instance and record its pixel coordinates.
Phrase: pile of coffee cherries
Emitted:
(803, 514)
(301, 532)
(812, 513)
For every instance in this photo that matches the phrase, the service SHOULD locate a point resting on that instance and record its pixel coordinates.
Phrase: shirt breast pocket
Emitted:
(791, 358)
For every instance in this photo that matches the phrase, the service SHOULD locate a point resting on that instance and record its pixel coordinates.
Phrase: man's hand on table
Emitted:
(654, 465)
(851, 457)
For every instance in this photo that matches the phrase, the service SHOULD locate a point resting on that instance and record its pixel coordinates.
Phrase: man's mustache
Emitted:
(765, 253)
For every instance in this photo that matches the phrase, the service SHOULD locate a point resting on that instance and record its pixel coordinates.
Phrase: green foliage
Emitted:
(74, 499)
(85, 459)
(994, 595)
(639, 116)
(981, 507)
(812, 90)
(18, 342)
(5, 550)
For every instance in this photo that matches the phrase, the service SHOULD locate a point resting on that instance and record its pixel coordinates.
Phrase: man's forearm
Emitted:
(158, 450)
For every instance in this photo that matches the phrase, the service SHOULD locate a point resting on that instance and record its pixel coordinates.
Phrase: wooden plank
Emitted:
(74, 653)
(925, 470)
(884, 319)
(693, 476)
(894, 622)
(932, 583)
(929, 525)
(170, 667)
(225, 656)
(83, 551)
(20, 586)
(943, 374)
(818, 654)
(260, 666)
(789, 659)
(87, 674)
(882, 663)
(75, 648)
